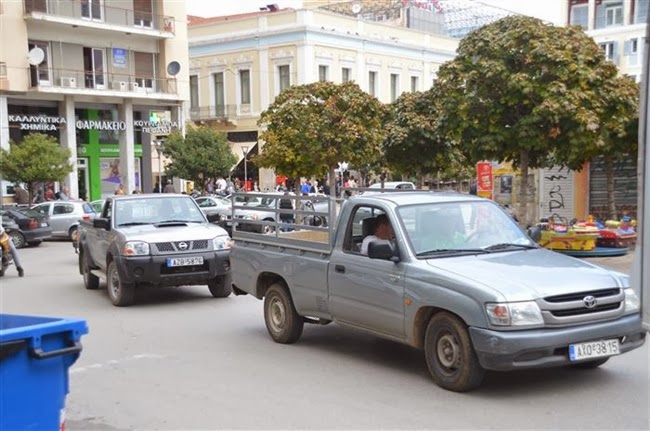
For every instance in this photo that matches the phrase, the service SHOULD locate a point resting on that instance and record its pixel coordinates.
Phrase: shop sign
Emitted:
(37, 122)
(119, 57)
(100, 125)
(162, 127)
(484, 179)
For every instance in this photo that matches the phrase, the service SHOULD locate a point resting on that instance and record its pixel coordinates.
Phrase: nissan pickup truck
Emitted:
(153, 240)
(458, 278)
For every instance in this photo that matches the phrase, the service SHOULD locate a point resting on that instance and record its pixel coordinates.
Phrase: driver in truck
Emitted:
(383, 230)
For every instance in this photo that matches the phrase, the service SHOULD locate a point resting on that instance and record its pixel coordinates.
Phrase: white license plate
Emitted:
(44, 224)
(184, 261)
(594, 349)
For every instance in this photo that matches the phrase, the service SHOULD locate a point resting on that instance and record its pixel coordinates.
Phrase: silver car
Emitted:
(64, 216)
(215, 205)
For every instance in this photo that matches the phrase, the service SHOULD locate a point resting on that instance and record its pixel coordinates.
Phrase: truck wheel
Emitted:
(449, 354)
(282, 321)
(121, 294)
(589, 365)
(218, 287)
(91, 281)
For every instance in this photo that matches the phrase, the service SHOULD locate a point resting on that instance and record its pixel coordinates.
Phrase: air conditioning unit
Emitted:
(135, 86)
(68, 82)
(120, 85)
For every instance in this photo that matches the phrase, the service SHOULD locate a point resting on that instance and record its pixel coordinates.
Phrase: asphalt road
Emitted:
(180, 359)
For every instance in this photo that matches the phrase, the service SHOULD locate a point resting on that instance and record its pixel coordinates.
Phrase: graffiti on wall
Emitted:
(558, 192)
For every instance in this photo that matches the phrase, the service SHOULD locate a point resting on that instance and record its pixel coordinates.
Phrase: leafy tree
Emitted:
(525, 92)
(414, 144)
(37, 158)
(202, 154)
(310, 128)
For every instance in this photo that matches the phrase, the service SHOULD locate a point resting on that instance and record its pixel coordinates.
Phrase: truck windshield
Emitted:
(445, 228)
(156, 210)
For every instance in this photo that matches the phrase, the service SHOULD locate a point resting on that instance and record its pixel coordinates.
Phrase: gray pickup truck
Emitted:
(459, 280)
(154, 240)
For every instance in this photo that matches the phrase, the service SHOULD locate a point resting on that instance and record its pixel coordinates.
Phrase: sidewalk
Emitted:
(621, 263)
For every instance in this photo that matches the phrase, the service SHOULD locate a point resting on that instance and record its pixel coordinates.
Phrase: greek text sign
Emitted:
(37, 122)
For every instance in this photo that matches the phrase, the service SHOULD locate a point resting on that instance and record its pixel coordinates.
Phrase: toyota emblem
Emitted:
(183, 246)
(589, 301)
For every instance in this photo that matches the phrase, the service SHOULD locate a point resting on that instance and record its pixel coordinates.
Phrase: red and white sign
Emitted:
(484, 179)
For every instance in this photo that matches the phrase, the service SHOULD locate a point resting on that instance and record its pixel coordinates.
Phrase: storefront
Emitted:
(97, 131)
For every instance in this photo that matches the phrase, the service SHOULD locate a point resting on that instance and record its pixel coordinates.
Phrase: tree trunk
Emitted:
(523, 189)
(611, 201)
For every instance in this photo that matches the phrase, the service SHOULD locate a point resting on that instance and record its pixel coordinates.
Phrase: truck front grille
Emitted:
(583, 307)
(181, 246)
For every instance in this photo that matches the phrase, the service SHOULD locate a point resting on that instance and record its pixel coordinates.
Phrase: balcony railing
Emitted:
(89, 80)
(221, 112)
(97, 12)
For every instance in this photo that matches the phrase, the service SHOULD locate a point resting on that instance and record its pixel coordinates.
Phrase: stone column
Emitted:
(4, 136)
(127, 147)
(68, 139)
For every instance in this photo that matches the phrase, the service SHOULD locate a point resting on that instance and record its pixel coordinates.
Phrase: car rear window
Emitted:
(31, 213)
(88, 209)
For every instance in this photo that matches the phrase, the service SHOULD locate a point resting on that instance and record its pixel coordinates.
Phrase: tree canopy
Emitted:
(203, 153)
(525, 92)
(310, 128)
(37, 158)
(414, 144)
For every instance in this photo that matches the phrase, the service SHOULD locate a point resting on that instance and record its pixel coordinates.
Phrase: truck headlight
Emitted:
(514, 313)
(632, 302)
(136, 248)
(222, 242)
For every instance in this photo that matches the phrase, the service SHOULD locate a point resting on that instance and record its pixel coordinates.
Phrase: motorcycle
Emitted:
(6, 258)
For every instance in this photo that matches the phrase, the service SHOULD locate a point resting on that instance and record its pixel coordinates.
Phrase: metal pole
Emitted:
(160, 184)
(245, 173)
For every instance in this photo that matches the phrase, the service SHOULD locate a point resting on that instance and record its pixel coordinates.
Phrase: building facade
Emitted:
(104, 77)
(238, 64)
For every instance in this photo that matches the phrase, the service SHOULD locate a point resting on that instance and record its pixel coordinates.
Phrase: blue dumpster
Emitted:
(35, 354)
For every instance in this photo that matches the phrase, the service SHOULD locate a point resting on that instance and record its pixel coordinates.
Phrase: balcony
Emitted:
(97, 16)
(227, 113)
(71, 81)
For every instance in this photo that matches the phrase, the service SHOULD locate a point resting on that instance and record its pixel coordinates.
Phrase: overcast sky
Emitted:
(549, 10)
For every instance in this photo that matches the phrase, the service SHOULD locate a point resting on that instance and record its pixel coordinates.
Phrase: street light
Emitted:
(244, 150)
(158, 143)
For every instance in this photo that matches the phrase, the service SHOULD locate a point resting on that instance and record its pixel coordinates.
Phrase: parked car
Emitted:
(25, 226)
(64, 216)
(215, 205)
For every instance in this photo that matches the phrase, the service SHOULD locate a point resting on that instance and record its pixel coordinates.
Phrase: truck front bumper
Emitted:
(549, 347)
(154, 269)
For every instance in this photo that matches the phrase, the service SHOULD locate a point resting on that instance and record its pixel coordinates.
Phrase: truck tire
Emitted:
(589, 365)
(120, 293)
(282, 321)
(219, 288)
(91, 281)
(451, 359)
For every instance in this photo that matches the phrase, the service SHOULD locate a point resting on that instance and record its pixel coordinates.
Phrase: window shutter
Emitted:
(600, 16)
(642, 11)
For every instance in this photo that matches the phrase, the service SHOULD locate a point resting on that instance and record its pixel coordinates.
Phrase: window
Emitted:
(40, 75)
(609, 49)
(323, 73)
(143, 13)
(632, 51)
(92, 9)
(415, 84)
(35, 6)
(394, 86)
(219, 94)
(346, 74)
(245, 86)
(145, 66)
(94, 66)
(63, 209)
(580, 15)
(372, 83)
(284, 77)
(614, 15)
(362, 225)
(194, 91)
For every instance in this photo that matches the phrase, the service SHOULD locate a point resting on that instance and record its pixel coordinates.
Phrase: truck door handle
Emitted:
(339, 269)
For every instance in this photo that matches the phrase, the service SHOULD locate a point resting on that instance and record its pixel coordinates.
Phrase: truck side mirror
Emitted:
(535, 233)
(102, 223)
(213, 218)
(383, 249)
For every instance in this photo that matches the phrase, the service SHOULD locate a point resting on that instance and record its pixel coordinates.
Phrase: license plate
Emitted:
(44, 224)
(594, 349)
(184, 261)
